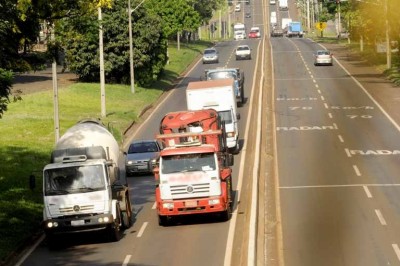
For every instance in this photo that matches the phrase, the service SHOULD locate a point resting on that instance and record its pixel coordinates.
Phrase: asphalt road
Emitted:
(337, 158)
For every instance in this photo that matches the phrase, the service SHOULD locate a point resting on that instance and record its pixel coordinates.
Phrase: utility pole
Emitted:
(102, 76)
(132, 75)
(55, 91)
(388, 46)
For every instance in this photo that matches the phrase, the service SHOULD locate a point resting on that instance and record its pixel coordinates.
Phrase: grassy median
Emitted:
(27, 137)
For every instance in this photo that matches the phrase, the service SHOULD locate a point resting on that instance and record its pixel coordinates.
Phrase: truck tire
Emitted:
(114, 229)
(227, 214)
(242, 97)
(127, 215)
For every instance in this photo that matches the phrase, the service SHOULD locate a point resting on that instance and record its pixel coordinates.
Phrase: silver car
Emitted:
(210, 55)
(323, 57)
(142, 156)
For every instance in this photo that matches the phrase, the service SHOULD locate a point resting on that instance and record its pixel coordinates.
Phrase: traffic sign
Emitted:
(320, 25)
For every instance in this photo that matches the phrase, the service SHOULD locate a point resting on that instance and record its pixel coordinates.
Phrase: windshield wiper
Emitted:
(57, 192)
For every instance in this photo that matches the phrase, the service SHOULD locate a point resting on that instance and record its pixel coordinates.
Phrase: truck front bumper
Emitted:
(75, 224)
(192, 206)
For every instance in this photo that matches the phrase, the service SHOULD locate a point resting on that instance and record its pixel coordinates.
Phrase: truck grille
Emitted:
(76, 208)
(190, 189)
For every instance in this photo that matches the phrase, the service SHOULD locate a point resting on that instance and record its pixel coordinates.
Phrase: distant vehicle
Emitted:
(248, 15)
(243, 52)
(294, 29)
(238, 8)
(256, 30)
(272, 2)
(142, 156)
(283, 5)
(273, 18)
(323, 57)
(285, 24)
(253, 35)
(247, 2)
(210, 55)
(276, 32)
(239, 31)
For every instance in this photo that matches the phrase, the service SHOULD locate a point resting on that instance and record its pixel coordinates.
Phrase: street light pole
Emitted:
(102, 77)
(388, 46)
(132, 75)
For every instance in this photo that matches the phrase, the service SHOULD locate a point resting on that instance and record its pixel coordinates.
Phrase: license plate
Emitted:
(191, 203)
(77, 223)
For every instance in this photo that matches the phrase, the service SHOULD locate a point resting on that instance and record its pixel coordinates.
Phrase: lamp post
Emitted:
(132, 74)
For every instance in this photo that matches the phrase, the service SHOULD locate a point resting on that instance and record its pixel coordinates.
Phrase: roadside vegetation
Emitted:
(27, 137)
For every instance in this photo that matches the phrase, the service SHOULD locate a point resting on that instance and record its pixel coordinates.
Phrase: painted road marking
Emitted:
(305, 128)
(380, 217)
(375, 152)
(369, 195)
(341, 186)
(341, 138)
(142, 229)
(348, 152)
(126, 260)
(330, 115)
(358, 173)
(326, 106)
(396, 250)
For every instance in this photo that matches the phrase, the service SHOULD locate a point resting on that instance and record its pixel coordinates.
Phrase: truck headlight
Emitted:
(213, 201)
(129, 162)
(168, 205)
(52, 224)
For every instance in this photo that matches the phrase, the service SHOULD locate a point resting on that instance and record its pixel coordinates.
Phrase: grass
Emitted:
(27, 137)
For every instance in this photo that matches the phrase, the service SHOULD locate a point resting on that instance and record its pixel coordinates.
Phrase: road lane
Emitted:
(328, 175)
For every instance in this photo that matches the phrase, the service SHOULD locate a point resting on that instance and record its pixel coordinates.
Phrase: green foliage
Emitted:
(79, 36)
(5, 88)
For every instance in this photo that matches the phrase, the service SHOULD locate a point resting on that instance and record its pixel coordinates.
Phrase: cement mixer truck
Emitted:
(84, 185)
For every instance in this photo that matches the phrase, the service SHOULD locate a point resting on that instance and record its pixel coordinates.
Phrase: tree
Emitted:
(79, 37)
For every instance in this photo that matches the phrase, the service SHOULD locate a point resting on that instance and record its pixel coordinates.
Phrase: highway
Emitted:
(327, 177)
(194, 240)
(337, 164)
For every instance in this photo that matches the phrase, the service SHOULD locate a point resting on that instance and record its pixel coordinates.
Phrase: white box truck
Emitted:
(84, 185)
(218, 95)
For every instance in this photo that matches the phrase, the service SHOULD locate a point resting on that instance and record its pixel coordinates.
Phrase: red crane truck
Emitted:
(193, 175)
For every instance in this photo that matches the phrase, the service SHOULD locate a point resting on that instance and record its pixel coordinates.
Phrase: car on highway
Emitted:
(248, 15)
(239, 35)
(256, 30)
(142, 156)
(253, 35)
(243, 52)
(323, 57)
(238, 8)
(210, 55)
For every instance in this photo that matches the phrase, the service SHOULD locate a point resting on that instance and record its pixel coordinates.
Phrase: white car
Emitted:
(238, 8)
(239, 35)
(243, 52)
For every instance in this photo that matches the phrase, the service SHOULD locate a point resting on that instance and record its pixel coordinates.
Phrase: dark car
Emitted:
(142, 156)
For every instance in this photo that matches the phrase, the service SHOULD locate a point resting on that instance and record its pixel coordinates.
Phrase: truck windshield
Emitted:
(75, 179)
(226, 116)
(188, 163)
(221, 75)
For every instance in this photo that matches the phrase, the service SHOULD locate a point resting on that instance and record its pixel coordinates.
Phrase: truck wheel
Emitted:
(227, 214)
(127, 215)
(114, 232)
